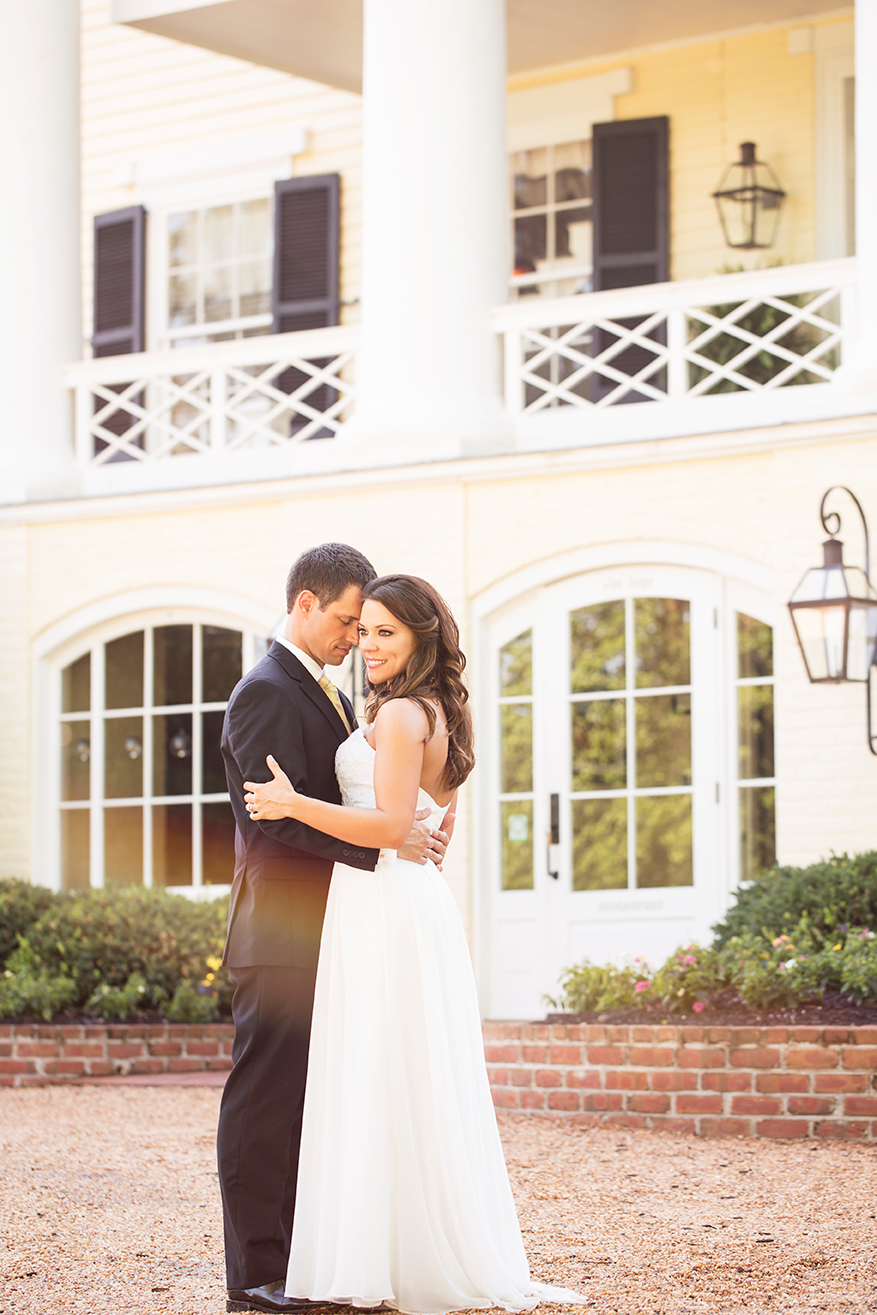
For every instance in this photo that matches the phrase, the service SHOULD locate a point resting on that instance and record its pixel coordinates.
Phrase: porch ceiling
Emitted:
(324, 41)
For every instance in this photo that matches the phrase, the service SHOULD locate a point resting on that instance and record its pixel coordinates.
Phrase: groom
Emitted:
(286, 706)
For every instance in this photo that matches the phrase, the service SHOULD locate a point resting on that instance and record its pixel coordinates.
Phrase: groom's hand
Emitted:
(417, 847)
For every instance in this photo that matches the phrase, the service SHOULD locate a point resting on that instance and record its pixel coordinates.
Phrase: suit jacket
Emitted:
(282, 868)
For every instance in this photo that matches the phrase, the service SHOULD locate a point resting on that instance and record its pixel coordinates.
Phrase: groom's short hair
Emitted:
(327, 571)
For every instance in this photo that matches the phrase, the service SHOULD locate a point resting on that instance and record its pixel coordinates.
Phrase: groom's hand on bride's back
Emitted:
(424, 844)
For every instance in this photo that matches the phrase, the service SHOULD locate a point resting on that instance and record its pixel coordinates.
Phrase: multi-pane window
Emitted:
(755, 748)
(516, 762)
(219, 272)
(630, 731)
(552, 233)
(143, 791)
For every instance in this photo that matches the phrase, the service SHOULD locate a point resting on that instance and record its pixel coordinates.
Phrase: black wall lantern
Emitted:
(834, 612)
(749, 200)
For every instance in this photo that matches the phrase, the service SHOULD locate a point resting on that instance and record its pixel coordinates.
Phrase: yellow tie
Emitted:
(335, 699)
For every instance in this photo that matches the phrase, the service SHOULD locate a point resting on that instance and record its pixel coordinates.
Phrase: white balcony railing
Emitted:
(256, 393)
(671, 342)
(669, 346)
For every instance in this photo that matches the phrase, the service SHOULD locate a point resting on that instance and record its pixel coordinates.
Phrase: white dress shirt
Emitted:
(310, 664)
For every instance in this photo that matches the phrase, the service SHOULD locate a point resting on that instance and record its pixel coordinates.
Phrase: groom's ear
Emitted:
(306, 602)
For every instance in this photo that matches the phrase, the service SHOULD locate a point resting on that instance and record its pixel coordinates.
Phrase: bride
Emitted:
(403, 1196)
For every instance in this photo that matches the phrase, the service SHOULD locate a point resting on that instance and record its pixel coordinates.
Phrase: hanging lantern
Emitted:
(834, 612)
(749, 200)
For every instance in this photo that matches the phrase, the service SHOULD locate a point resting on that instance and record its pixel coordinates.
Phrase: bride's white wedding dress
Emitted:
(403, 1195)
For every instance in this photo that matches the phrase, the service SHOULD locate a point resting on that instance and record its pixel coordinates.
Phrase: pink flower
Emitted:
(642, 986)
(698, 1006)
(689, 959)
(780, 940)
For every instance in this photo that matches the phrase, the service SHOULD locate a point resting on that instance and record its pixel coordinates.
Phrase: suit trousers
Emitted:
(260, 1117)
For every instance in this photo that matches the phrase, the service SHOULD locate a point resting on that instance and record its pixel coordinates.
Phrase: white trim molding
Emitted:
(564, 111)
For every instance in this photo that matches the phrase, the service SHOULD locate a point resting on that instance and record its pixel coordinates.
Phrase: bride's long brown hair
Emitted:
(435, 672)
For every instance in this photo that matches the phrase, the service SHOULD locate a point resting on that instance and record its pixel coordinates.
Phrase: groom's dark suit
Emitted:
(278, 900)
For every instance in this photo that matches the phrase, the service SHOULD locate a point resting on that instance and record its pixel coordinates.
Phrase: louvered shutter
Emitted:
(119, 306)
(631, 234)
(119, 269)
(631, 194)
(305, 289)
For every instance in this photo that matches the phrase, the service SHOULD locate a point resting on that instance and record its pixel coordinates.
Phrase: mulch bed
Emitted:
(729, 1011)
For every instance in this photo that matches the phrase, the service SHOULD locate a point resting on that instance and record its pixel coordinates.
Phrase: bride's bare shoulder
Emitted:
(402, 716)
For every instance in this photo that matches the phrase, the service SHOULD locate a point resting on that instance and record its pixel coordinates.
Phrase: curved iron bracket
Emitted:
(834, 518)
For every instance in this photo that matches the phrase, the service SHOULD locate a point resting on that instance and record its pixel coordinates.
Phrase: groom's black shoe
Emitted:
(270, 1296)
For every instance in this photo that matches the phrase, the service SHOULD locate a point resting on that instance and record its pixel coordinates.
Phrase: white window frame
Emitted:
(834, 63)
(64, 644)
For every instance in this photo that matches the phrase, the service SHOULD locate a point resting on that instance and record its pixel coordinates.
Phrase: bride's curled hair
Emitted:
(435, 672)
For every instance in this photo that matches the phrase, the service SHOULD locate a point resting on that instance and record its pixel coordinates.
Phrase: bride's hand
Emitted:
(269, 800)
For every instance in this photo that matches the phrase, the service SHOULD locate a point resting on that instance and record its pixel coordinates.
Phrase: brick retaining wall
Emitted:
(34, 1055)
(715, 1081)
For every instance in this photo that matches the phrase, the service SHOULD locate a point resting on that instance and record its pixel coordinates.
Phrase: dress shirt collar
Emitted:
(311, 666)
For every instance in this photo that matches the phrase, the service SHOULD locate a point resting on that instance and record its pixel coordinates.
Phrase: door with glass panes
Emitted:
(609, 722)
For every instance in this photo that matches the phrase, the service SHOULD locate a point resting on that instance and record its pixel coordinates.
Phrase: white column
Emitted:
(434, 229)
(859, 371)
(40, 327)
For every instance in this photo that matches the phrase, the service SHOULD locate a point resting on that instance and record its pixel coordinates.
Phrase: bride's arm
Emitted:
(400, 731)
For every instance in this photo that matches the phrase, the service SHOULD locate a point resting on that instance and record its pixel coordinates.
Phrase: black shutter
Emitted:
(305, 289)
(631, 198)
(119, 271)
(119, 306)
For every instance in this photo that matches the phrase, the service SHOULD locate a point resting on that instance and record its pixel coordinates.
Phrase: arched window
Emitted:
(143, 797)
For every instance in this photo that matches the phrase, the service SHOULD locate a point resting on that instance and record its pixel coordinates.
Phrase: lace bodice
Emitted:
(355, 770)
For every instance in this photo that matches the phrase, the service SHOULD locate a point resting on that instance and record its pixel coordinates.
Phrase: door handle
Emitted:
(553, 835)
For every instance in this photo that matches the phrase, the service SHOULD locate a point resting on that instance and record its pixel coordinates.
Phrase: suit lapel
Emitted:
(309, 688)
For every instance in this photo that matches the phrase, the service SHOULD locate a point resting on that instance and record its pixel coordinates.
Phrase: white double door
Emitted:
(608, 733)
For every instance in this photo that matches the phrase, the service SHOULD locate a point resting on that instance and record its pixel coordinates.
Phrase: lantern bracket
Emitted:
(831, 524)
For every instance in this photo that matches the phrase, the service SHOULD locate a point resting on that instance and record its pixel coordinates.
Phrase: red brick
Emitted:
(94, 1033)
(840, 1082)
(700, 1058)
(773, 1082)
(648, 1102)
(619, 1034)
(38, 1050)
(775, 1036)
(83, 1050)
(625, 1121)
(17, 1066)
(510, 1031)
(860, 1057)
(625, 1080)
(227, 1047)
(842, 1131)
(667, 1034)
(125, 1049)
(531, 1100)
(220, 1065)
(185, 1064)
(686, 1126)
(6, 1081)
(536, 1032)
(565, 1055)
(726, 1082)
(782, 1128)
(719, 1034)
(564, 1100)
(693, 1033)
(534, 1054)
(597, 1033)
(652, 1056)
(497, 1077)
(724, 1127)
(866, 1105)
(668, 1079)
(602, 1100)
(490, 1032)
(812, 1105)
(497, 1054)
(806, 1034)
(756, 1057)
(165, 1048)
(585, 1120)
(205, 1048)
(605, 1055)
(505, 1098)
(698, 1104)
(813, 1057)
(522, 1077)
(66, 1067)
(147, 1066)
(587, 1079)
(548, 1077)
(38, 1081)
(746, 1036)
(756, 1105)
(864, 1036)
(837, 1036)
(559, 1032)
(642, 1034)
(5, 1049)
(100, 1068)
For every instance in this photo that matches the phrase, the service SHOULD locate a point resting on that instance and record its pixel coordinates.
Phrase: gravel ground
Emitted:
(109, 1203)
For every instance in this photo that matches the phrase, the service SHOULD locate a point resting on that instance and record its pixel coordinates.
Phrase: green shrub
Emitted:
(189, 1005)
(99, 938)
(25, 992)
(20, 906)
(590, 986)
(834, 894)
(686, 981)
(118, 1003)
